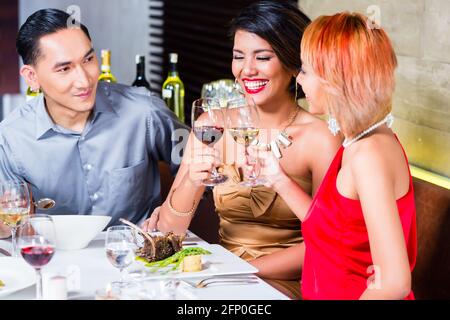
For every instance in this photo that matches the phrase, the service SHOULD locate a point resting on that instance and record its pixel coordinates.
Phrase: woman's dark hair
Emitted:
(39, 24)
(281, 24)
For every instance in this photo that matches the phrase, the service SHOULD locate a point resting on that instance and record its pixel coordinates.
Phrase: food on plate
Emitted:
(161, 251)
(192, 264)
(160, 247)
(157, 248)
(2, 284)
(175, 259)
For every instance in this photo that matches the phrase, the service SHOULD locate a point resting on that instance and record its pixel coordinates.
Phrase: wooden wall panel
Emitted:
(9, 60)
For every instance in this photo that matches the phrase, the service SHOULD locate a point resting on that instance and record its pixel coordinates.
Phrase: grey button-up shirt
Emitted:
(111, 168)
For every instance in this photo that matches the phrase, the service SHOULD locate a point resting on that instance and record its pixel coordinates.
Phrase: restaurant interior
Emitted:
(197, 31)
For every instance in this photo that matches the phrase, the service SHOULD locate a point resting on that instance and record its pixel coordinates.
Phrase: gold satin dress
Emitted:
(256, 222)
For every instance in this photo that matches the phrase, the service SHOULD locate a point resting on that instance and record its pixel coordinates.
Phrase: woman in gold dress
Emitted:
(255, 223)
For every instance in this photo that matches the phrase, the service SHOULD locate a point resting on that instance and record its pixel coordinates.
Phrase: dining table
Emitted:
(88, 270)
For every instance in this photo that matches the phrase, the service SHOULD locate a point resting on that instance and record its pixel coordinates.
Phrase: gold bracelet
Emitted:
(179, 213)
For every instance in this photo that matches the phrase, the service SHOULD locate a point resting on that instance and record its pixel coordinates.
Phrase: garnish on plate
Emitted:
(175, 260)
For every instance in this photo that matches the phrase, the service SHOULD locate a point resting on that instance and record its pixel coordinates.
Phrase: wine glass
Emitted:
(243, 125)
(14, 207)
(223, 90)
(120, 246)
(208, 125)
(37, 244)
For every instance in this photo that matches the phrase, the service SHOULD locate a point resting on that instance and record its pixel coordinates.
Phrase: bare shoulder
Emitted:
(315, 133)
(375, 155)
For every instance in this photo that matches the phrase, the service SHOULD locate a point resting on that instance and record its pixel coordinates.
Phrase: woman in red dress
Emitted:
(360, 229)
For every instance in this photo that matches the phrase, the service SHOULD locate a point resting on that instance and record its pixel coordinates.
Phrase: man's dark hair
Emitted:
(39, 24)
(281, 24)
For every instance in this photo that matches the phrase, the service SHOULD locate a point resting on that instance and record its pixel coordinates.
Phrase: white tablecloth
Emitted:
(96, 272)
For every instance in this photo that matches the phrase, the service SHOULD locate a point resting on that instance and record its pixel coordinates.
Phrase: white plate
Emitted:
(16, 274)
(219, 262)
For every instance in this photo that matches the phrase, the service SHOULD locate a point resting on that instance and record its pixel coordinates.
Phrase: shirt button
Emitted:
(82, 138)
(94, 196)
(88, 167)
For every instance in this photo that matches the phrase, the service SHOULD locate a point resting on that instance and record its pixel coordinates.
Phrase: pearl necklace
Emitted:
(388, 120)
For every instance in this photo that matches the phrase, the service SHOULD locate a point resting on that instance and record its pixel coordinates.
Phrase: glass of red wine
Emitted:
(37, 244)
(208, 124)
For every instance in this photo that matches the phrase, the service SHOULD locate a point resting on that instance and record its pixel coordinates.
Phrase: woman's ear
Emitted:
(30, 77)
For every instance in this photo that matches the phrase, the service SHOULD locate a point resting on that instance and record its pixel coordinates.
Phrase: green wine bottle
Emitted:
(32, 94)
(106, 74)
(173, 89)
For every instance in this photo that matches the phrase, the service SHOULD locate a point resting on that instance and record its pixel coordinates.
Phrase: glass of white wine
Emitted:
(243, 125)
(15, 205)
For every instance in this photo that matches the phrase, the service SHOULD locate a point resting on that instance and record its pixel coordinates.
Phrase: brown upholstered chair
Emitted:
(431, 276)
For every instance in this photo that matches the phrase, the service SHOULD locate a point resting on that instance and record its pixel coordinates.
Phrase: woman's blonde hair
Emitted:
(356, 62)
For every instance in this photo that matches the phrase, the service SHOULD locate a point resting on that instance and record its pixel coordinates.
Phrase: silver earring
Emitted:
(333, 125)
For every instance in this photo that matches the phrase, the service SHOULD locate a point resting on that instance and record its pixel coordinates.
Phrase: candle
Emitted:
(107, 294)
(56, 288)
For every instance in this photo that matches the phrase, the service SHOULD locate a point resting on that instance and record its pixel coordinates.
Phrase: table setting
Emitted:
(107, 267)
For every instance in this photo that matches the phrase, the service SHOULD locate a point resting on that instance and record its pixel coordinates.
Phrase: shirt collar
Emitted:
(44, 123)
(103, 101)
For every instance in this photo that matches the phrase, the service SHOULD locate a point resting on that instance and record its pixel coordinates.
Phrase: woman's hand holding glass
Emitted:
(208, 125)
(243, 125)
(269, 167)
(202, 163)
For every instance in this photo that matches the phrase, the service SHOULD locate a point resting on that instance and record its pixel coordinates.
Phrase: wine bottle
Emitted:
(32, 94)
(173, 89)
(140, 80)
(106, 74)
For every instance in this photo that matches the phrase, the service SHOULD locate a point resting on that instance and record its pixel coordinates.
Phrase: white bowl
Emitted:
(74, 232)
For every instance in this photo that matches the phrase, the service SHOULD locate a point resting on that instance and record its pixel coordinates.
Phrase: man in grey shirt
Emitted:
(91, 146)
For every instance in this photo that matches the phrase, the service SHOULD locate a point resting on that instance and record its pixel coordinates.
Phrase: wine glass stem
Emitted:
(121, 276)
(249, 162)
(14, 252)
(38, 284)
